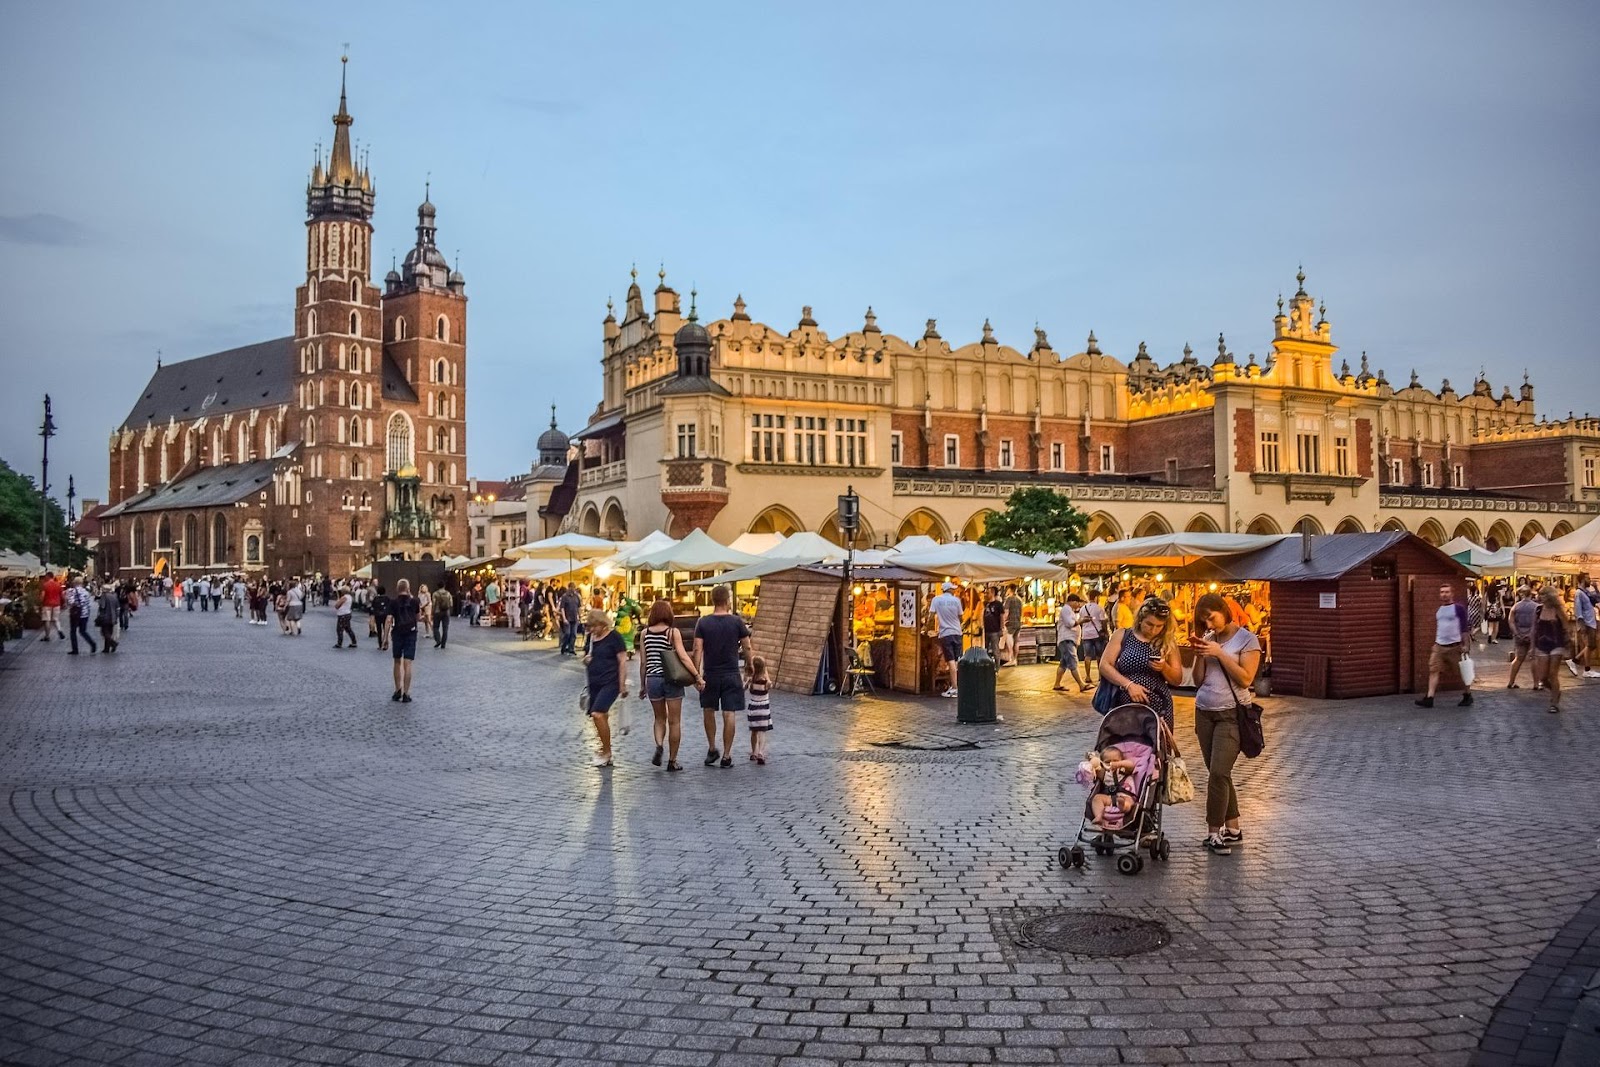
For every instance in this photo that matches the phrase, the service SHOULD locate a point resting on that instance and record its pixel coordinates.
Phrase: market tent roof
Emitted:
(538, 570)
(805, 547)
(1170, 549)
(1575, 553)
(878, 572)
(1482, 560)
(757, 544)
(1332, 556)
(568, 546)
(968, 559)
(365, 571)
(914, 543)
(1457, 545)
(454, 561)
(653, 541)
(697, 552)
(481, 561)
(25, 564)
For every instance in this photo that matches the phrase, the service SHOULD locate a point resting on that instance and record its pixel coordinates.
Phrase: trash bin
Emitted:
(975, 686)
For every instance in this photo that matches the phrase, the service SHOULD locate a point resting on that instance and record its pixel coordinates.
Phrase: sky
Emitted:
(1152, 172)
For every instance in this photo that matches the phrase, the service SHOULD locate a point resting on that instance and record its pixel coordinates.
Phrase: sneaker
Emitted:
(1553, 710)
(1591, 674)
(1233, 837)
(1424, 702)
(1218, 845)
(396, 696)
(712, 755)
(405, 698)
(1466, 700)
(1573, 667)
(948, 693)
(727, 761)
(602, 761)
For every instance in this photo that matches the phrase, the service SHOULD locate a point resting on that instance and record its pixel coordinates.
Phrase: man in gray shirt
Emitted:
(947, 611)
(1523, 613)
(1013, 624)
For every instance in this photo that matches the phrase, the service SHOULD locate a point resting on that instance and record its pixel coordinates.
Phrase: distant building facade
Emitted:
(737, 426)
(316, 452)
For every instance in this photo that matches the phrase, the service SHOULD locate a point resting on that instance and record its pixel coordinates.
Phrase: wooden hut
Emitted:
(1352, 615)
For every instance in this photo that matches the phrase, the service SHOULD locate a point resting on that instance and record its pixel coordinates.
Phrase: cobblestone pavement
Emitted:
(225, 846)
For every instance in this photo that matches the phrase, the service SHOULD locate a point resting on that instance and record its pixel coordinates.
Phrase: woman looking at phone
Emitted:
(1144, 660)
(1226, 659)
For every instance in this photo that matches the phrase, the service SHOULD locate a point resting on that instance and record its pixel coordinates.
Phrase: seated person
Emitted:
(1116, 786)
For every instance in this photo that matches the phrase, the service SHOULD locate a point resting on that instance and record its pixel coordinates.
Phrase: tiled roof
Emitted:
(238, 379)
(209, 487)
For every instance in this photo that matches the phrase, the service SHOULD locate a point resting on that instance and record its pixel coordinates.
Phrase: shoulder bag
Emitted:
(672, 664)
(1252, 740)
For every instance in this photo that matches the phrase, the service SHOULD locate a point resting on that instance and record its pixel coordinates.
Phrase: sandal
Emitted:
(727, 762)
(655, 760)
(674, 765)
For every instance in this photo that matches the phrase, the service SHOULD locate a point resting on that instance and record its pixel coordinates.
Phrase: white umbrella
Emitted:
(914, 543)
(653, 541)
(697, 552)
(968, 559)
(757, 544)
(806, 547)
(1169, 549)
(1575, 553)
(567, 546)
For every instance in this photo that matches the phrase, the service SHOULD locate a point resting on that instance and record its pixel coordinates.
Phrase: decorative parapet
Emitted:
(694, 476)
(1467, 502)
(962, 487)
(604, 474)
(1534, 431)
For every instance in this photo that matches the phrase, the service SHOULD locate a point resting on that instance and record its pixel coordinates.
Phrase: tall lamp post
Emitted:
(72, 494)
(47, 430)
(849, 523)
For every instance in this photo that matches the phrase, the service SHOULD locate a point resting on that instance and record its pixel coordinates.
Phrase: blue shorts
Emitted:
(1092, 649)
(950, 645)
(403, 646)
(1067, 651)
(656, 687)
(600, 700)
(723, 691)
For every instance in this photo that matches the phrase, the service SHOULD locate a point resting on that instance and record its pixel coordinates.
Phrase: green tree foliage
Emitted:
(1036, 520)
(19, 519)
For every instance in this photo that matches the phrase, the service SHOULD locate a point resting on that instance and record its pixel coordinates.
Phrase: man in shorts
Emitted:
(1450, 631)
(1584, 614)
(1523, 614)
(1092, 629)
(946, 611)
(1068, 624)
(404, 610)
(719, 640)
(1013, 624)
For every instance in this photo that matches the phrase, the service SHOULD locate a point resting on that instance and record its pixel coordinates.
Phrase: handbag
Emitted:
(1252, 739)
(1108, 696)
(1178, 787)
(672, 666)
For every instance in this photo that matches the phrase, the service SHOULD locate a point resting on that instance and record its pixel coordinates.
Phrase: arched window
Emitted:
(252, 548)
(311, 323)
(216, 446)
(355, 529)
(311, 290)
(355, 430)
(355, 324)
(443, 406)
(366, 500)
(355, 466)
(308, 434)
(141, 544)
(399, 441)
(219, 539)
(400, 328)
(164, 533)
(441, 439)
(269, 438)
(243, 454)
(441, 329)
(355, 290)
(440, 372)
(193, 550)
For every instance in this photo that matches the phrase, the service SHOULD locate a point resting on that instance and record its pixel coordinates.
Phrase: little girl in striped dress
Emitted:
(758, 709)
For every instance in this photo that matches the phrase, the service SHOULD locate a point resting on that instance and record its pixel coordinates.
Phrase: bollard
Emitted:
(975, 676)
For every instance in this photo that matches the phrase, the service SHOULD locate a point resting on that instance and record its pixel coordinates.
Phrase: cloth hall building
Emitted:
(316, 452)
(740, 426)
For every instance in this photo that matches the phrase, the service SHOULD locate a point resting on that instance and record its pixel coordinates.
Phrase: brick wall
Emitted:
(1187, 437)
(1364, 448)
(1244, 439)
(1536, 469)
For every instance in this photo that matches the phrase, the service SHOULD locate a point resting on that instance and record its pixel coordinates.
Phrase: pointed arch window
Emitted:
(164, 533)
(193, 550)
(400, 328)
(243, 453)
(355, 290)
(443, 406)
(219, 539)
(441, 439)
(269, 438)
(308, 433)
(399, 442)
(355, 466)
(441, 329)
(355, 430)
(355, 529)
(355, 324)
(311, 290)
(311, 323)
(141, 544)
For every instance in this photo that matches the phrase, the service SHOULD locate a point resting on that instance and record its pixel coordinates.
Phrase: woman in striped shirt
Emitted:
(658, 640)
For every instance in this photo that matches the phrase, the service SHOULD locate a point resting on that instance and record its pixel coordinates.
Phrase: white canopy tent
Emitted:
(1575, 553)
(539, 570)
(364, 572)
(568, 546)
(968, 559)
(653, 541)
(757, 544)
(696, 552)
(805, 547)
(19, 564)
(1169, 549)
(914, 543)
(1461, 544)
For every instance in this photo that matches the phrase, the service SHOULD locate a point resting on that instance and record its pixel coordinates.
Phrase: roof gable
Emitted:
(237, 379)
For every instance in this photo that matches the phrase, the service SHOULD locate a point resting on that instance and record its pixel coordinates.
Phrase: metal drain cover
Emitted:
(1087, 932)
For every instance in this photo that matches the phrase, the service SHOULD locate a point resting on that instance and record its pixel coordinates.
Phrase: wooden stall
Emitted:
(1352, 614)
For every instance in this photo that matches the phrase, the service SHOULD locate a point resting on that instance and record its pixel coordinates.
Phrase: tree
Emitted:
(1036, 519)
(19, 519)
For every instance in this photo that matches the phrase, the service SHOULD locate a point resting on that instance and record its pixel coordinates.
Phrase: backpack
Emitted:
(404, 610)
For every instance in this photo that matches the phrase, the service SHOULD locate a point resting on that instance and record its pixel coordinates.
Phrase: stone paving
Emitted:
(226, 846)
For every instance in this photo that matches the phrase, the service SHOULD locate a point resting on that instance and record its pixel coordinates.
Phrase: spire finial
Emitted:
(341, 167)
(1300, 276)
(693, 295)
(158, 362)
(633, 272)
(1280, 304)
(552, 416)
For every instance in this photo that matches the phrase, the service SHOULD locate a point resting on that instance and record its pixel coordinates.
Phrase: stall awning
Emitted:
(970, 560)
(568, 546)
(1575, 553)
(1332, 557)
(696, 552)
(1169, 550)
(481, 561)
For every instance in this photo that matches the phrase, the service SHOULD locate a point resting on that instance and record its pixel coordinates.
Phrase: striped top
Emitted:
(657, 646)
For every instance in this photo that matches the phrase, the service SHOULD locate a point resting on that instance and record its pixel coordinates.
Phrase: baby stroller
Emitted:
(1127, 725)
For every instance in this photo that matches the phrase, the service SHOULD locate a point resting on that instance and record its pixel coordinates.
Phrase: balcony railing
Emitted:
(604, 474)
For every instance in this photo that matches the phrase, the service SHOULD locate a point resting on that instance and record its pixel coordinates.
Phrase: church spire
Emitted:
(341, 168)
(344, 187)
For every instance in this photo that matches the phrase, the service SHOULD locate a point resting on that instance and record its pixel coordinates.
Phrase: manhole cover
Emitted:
(1085, 932)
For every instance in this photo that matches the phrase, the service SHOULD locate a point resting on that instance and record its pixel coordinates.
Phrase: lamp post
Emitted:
(47, 430)
(72, 494)
(849, 523)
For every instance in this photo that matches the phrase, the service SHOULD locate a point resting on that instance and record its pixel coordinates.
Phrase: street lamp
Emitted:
(849, 522)
(72, 493)
(47, 430)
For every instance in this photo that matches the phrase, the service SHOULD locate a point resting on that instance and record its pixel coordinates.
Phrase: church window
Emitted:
(243, 453)
(355, 467)
(355, 324)
(311, 323)
(441, 329)
(444, 406)
(400, 328)
(355, 529)
(269, 438)
(440, 372)
(216, 447)
(355, 431)
(355, 290)
(441, 439)
(164, 533)
(193, 549)
(141, 547)
(309, 433)
(399, 443)
(311, 290)
(219, 539)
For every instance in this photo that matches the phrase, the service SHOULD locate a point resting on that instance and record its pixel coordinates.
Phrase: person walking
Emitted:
(720, 639)
(1450, 630)
(1551, 644)
(1584, 635)
(1522, 616)
(1013, 624)
(658, 640)
(78, 603)
(381, 605)
(297, 605)
(239, 593)
(342, 607)
(107, 616)
(1092, 632)
(1494, 613)
(1143, 659)
(216, 594)
(758, 714)
(571, 606)
(947, 619)
(402, 638)
(491, 600)
(1477, 611)
(606, 674)
(442, 603)
(994, 624)
(1227, 658)
(51, 594)
(1069, 623)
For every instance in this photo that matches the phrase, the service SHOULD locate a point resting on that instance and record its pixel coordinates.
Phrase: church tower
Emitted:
(338, 405)
(425, 337)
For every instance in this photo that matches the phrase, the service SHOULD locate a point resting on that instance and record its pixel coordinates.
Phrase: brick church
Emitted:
(317, 452)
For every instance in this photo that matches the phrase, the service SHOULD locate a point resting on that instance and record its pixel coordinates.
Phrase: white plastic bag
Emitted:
(1469, 670)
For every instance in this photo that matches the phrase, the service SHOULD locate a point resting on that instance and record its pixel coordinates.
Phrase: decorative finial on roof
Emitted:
(1300, 276)
(805, 316)
(1525, 376)
(633, 272)
(988, 333)
(1344, 368)
(1222, 345)
(1383, 377)
(932, 332)
(693, 294)
(1364, 363)
(1280, 305)
(1252, 361)
(1415, 381)
(158, 359)
(661, 278)
(553, 412)
(1188, 352)
(738, 309)
(611, 311)
(1040, 339)
(1322, 312)
(871, 324)
(1092, 348)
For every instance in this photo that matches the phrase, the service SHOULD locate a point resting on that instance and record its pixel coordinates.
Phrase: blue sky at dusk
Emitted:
(1152, 172)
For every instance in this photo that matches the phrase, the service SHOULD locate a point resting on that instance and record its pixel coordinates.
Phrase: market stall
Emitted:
(1351, 614)
(1575, 553)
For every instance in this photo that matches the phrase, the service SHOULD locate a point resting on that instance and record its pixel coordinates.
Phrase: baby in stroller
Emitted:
(1116, 790)
(1122, 815)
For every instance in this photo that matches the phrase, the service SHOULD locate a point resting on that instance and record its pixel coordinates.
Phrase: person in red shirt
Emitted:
(50, 605)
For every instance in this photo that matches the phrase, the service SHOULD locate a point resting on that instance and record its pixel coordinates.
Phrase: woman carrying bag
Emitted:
(1227, 658)
(665, 668)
